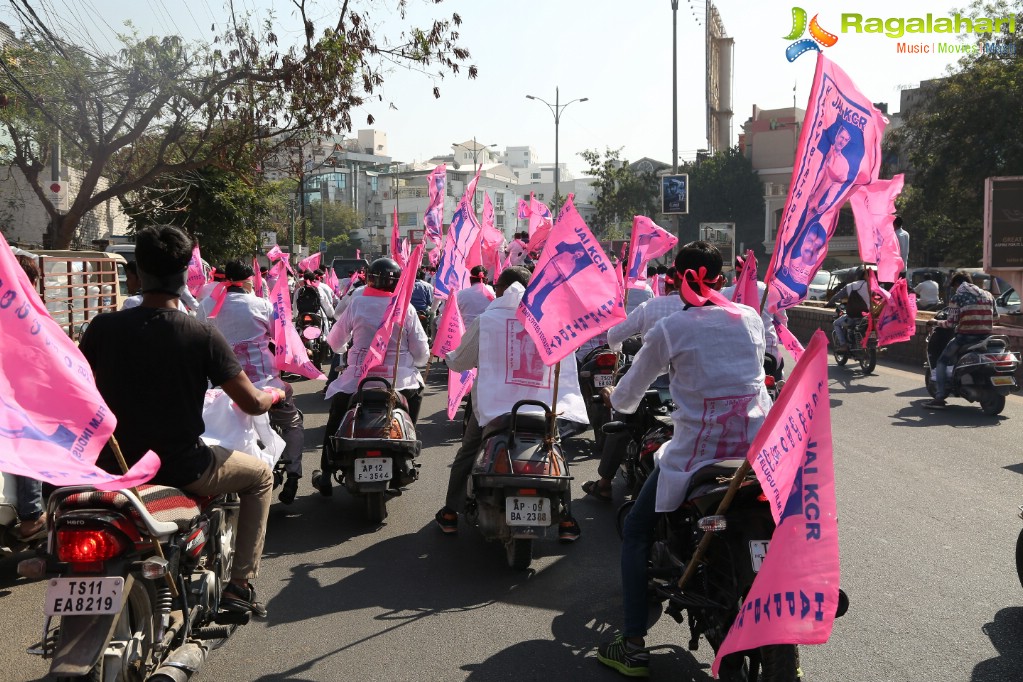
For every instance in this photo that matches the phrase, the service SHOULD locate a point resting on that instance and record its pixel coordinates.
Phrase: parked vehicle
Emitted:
(519, 482)
(865, 354)
(818, 289)
(343, 266)
(1008, 303)
(984, 372)
(373, 454)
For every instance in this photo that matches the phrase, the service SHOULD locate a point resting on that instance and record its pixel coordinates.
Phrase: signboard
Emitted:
(1003, 223)
(268, 239)
(415, 236)
(56, 192)
(675, 194)
(722, 236)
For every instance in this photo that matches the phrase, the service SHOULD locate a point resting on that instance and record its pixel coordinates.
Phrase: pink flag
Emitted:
(358, 253)
(406, 253)
(396, 239)
(573, 294)
(196, 275)
(394, 315)
(839, 149)
(539, 216)
(331, 280)
(794, 597)
(498, 267)
(434, 218)
(789, 340)
(313, 262)
(745, 291)
(648, 242)
(459, 384)
(274, 253)
(897, 321)
(257, 277)
(873, 208)
(53, 420)
(449, 331)
(452, 269)
(290, 354)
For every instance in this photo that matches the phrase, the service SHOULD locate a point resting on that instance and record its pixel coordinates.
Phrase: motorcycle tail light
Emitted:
(307, 318)
(531, 467)
(607, 360)
(1005, 361)
(713, 524)
(501, 461)
(769, 381)
(527, 491)
(88, 548)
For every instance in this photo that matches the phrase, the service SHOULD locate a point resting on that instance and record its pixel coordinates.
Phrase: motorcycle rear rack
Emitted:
(552, 483)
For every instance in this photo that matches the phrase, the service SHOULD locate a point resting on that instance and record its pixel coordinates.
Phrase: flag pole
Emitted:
(394, 377)
(134, 491)
(554, 403)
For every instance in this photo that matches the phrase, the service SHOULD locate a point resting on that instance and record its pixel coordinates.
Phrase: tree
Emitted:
(965, 130)
(339, 222)
(160, 106)
(724, 188)
(621, 193)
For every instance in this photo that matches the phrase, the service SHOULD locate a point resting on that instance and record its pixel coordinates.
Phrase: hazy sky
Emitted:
(618, 54)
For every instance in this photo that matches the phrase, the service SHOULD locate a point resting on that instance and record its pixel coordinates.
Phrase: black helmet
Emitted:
(384, 274)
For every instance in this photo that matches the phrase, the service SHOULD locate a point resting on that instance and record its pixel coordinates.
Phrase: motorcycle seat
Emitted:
(378, 397)
(726, 468)
(163, 502)
(529, 422)
(992, 344)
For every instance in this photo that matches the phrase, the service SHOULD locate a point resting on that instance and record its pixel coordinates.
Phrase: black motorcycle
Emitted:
(602, 368)
(864, 353)
(115, 607)
(314, 337)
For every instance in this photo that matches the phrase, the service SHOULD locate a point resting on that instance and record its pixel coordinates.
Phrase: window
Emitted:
(535, 176)
(409, 219)
(373, 182)
(499, 221)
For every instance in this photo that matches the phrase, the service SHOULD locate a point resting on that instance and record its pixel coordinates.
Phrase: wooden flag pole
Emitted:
(134, 491)
(554, 403)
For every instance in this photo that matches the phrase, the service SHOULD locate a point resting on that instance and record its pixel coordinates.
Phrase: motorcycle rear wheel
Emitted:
(1019, 558)
(519, 554)
(992, 403)
(775, 663)
(376, 507)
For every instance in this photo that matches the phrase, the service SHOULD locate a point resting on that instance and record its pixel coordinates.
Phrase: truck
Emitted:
(76, 286)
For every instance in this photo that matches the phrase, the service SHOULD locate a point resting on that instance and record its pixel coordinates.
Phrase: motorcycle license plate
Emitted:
(757, 552)
(371, 469)
(603, 380)
(527, 511)
(1002, 381)
(83, 596)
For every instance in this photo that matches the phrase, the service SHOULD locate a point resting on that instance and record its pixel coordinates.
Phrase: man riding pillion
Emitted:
(152, 366)
(489, 343)
(473, 300)
(713, 352)
(359, 324)
(855, 307)
(246, 321)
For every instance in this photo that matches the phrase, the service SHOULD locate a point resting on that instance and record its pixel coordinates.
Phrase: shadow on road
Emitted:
(1006, 634)
(956, 415)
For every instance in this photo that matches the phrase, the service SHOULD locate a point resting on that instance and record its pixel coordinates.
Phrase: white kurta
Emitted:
(246, 321)
(359, 324)
(473, 301)
(643, 318)
(714, 361)
(770, 333)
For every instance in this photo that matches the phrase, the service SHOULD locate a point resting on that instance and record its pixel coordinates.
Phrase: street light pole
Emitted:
(557, 108)
(475, 165)
(674, 103)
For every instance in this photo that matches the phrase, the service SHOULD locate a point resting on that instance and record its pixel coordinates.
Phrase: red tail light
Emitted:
(769, 381)
(89, 546)
(307, 318)
(607, 360)
(1004, 361)
(532, 467)
(501, 461)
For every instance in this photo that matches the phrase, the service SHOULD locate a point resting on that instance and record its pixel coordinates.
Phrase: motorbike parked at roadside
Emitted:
(519, 482)
(984, 372)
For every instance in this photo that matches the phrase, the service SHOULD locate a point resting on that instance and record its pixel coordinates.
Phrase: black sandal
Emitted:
(593, 488)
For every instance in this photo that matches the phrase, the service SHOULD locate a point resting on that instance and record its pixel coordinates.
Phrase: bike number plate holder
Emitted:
(1003, 381)
(757, 552)
(603, 380)
(527, 511)
(83, 596)
(370, 469)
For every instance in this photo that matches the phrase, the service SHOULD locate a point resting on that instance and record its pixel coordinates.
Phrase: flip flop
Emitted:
(593, 489)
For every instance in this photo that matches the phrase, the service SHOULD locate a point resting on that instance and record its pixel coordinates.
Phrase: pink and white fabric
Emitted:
(449, 331)
(394, 314)
(53, 420)
(274, 253)
(897, 321)
(746, 285)
(396, 253)
(331, 280)
(459, 383)
(290, 354)
(873, 209)
(788, 340)
(839, 150)
(648, 242)
(452, 270)
(257, 278)
(312, 262)
(573, 294)
(196, 274)
(406, 253)
(433, 220)
(795, 595)
(493, 240)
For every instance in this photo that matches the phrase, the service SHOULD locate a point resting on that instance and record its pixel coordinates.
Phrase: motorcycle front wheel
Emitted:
(869, 360)
(840, 358)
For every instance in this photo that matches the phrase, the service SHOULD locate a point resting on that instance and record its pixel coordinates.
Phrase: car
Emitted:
(818, 289)
(1008, 303)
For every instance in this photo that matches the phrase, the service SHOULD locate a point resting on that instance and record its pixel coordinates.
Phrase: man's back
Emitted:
(927, 292)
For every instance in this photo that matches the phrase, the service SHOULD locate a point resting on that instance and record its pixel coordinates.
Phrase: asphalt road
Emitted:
(927, 527)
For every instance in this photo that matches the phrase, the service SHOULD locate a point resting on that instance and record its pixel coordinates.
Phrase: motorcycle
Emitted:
(865, 354)
(374, 450)
(123, 610)
(313, 332)
(984, 372)
(518, 484)
(601, 368)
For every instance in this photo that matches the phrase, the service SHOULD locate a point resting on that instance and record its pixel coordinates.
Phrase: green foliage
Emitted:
(724, 188)
(621, 193)
(966, 130)
(337, 221)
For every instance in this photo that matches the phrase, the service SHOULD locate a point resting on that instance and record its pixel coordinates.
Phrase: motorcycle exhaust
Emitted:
(181, 664)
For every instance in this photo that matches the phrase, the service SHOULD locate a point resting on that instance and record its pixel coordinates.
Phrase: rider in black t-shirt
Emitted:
(152, 364)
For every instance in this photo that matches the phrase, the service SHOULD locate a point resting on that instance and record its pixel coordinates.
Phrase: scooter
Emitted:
(313, 332)
(374, 450)
(984, 372)
(520, 483)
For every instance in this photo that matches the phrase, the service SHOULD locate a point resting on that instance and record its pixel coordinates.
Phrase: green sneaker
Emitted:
(627, 659)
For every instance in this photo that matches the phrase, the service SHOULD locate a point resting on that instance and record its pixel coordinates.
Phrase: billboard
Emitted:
(1003, 223)
(722, 236)
(675, 194)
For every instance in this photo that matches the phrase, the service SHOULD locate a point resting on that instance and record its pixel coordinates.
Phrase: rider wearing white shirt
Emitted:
(473, 301)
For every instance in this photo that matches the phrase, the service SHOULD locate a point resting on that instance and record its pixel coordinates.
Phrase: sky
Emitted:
(617, 54)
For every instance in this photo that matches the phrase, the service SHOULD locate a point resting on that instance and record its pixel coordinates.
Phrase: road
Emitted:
(927, 527)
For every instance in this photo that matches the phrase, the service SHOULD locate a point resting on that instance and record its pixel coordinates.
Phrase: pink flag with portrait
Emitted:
(53, 420)
(463, 233)
(257, 277)
(745, 291)
(873, 209)
(897, 320)
(312, 262)
(573, 294)
(648, 242)
(433, 220)
(196, 275)
(290, 353)
(839, 150)
(449, 331)
(393, 315)
(794, 597)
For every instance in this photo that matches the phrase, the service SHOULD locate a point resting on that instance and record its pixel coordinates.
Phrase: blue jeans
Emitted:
(30, 498)
(637, 539)
(841, 326)
(949, 355)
